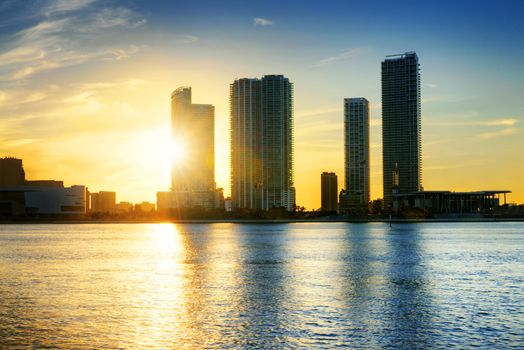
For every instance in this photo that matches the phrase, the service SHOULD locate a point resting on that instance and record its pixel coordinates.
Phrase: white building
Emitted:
(54, 200)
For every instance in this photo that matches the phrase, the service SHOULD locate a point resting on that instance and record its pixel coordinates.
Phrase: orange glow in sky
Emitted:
(86, 99)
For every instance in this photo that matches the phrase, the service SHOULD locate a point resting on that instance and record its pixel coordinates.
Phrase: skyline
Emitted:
(85, 85)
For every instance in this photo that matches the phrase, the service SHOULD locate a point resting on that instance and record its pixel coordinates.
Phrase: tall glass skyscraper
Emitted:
(262, 143)
(356, 151)
(193, 130)
(401, 130)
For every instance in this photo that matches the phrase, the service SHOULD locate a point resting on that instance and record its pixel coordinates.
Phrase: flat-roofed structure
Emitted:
(329, 191)
(443, 203)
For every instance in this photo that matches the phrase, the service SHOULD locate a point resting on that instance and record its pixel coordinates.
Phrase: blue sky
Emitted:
(85, 84)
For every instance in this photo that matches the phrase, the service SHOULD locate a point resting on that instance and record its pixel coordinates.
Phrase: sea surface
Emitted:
(262, 286)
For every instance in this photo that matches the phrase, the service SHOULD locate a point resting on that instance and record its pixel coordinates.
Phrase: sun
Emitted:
(178, 152)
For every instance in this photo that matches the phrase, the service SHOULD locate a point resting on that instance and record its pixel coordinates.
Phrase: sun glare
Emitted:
(178, 152)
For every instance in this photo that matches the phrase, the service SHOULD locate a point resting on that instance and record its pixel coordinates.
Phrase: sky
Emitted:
(85, 85)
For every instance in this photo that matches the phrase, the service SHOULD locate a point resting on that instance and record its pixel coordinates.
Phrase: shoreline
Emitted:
(262, 221)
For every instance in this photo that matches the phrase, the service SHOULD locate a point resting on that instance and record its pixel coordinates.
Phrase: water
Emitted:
(266, 286)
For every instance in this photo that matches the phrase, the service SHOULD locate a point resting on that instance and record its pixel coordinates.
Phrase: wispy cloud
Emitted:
(129, 83)
(61, 6)
(111, 18)
(184, 39)
(263, 22)
(4, 97)
(58, 41)
(498, 133)
(342, 56)
(319, 111)
(430, 85)
(488, 122)
(460, 165)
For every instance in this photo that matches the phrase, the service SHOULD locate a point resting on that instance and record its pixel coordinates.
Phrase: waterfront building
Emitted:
(21, 197)
(329, 191)
(103, 202)
(145, 207)
(53, 200)
(261, 113)
(356, 153)
(124, 207)
(193, 171)
(401, 124)
(448, 204)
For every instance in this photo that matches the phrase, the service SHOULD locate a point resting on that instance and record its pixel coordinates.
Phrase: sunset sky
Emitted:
(85, 85)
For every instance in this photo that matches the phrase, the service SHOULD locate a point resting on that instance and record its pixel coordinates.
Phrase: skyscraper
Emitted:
(356, 151)
(262, 143)
(328, 191)
(401, 133)
(193, 132)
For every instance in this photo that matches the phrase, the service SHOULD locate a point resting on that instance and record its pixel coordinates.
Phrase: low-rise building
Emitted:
(145, 207)
(124, 207)
(103, 202)
(448, 203)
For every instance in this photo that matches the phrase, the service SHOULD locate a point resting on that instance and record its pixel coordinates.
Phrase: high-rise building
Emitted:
(246, 144)
(401, 129)
(262, 143)
(356, 151)
(329, 191)
(193, 132)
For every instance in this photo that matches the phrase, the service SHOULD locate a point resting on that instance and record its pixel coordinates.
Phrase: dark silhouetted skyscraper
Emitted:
(329, 191)
(262, 143)
(401, 130)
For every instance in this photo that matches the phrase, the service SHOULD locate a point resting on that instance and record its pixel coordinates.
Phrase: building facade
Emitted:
(329, 191)
(356, 152)
(103, 202)
(261, 113)
(21, 197)
(401, 124)
(11, 172)
(193, 133)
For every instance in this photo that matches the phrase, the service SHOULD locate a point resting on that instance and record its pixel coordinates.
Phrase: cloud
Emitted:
(129, 83)
(262, 22)
(62, 6)
(34, 97)
(118, 54)
(499, 133)
(67, 40)
(444, 98)
(184, 39)
(20, 142)
(21, 55)
(342, 56)
(110, 18)
(489, 122)
(430, 85)
(3, 97)
(319, 111)
(498, 122)
(462, 164)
